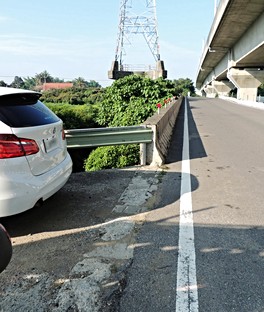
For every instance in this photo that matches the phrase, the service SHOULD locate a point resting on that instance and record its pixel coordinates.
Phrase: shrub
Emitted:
(109, 157)
(128, 102)
(75, 96)
(75, 116)
(131, 100)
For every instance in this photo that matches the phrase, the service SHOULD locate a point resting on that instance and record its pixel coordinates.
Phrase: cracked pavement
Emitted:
(72, 253)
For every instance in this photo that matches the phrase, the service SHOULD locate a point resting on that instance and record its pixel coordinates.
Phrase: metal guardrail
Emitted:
(93, 137)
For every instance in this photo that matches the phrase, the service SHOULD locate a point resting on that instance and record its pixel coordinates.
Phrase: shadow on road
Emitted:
(56, 235)
(227, 271)
(88, 199)
(197, 149)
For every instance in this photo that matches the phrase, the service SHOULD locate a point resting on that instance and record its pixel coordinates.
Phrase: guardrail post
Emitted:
(143, 154)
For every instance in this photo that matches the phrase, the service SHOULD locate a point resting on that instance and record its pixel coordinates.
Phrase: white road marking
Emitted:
(187, 294)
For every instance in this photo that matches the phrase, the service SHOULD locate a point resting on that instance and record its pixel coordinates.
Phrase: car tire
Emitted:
(5, 248)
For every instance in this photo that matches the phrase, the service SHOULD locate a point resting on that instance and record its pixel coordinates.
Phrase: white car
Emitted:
(34, 162)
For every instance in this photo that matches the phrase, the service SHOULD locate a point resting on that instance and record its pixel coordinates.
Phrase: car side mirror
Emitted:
(6, 249)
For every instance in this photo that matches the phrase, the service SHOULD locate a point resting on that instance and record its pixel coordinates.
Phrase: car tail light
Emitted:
(12, 146)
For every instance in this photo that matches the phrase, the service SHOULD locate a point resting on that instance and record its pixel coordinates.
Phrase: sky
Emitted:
(71, 39)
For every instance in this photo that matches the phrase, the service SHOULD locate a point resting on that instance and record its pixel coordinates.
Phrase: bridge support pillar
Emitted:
(222, 87)
(247, 82)
(210, 91)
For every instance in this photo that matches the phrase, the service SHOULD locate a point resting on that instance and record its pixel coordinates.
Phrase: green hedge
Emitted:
(109, 157)
(74, 96)
(76, 116)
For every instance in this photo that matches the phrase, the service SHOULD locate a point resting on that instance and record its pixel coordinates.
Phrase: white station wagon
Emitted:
(34, 162)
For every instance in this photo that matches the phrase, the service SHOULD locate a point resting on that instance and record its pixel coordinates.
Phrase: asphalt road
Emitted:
(226, 145)
(109, 241)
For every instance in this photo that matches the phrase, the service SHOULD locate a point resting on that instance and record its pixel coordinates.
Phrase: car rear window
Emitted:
(25, 110)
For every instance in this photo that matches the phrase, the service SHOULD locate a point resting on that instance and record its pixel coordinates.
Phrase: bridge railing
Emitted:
(137, 67)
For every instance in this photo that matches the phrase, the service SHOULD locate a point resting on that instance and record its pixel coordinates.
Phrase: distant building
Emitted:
(56, 85)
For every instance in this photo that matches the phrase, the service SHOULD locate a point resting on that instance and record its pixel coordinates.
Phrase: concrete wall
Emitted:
(162, 125)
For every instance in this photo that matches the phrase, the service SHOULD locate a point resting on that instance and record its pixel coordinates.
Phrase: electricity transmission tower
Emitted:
(133, 23)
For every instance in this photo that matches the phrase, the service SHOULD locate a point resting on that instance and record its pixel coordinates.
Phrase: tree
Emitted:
(184, 86)
(18, 82)
(43, 77)
(93, 84)
(56, 79)
(30, 83)
(2, 83)
(80, 82)
(261, 90)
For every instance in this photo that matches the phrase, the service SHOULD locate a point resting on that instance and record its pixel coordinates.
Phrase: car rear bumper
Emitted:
(23, 193)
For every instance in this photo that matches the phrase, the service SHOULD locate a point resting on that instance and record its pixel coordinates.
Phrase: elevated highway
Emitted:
(233, 54)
